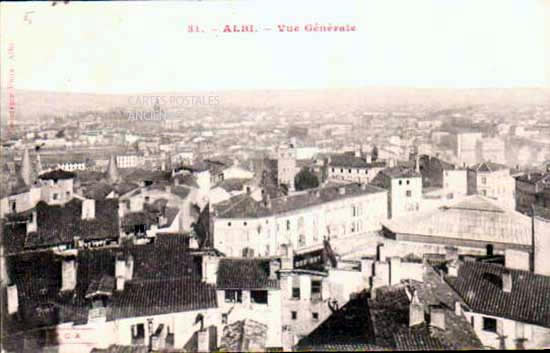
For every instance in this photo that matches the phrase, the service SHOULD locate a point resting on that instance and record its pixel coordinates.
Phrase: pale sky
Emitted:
(134, 47)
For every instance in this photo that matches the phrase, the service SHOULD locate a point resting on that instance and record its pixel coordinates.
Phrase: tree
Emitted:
(374, 153)
(305, 179)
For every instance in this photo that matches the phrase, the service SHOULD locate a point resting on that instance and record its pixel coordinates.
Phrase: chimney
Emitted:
(32, 223)
(120, 272)
(210, 268)
(88, 209)
(203, 340)
(129, 267)
(274, 267)
(248, 191)
(437, 317)
(342, 190)
(528, 176)
(458, 308)
(395, 270)
(13, 299)
(416, 310)
(68, 274)
(317, 193)
(363, 186)
(452, 268)
(168, 189)
(506, 281)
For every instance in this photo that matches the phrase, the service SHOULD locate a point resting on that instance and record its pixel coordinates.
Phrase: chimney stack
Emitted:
(506, 281)
(210, 268)
(120, 272)
(32, 223)
(416, 310)
(203, 340)
(437, 317)
(274, 267)
(458, 308)
(68, 274)
(13, 299)
(342, 190)
(88, 209)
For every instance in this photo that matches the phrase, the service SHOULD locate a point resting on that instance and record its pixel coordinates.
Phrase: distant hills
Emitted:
(35, 104)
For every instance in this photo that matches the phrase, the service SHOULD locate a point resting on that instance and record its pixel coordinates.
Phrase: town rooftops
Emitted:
(487, 167)
(244, 206)
(245, 274)
(480, 286)
(166, 278)
(57, 175)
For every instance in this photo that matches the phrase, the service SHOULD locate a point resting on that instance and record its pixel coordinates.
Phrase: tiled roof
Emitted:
(170, 269)
(347, 160)
(400, 172)
(233, 184)
(57, 174)
(411, 341)
(527, 302)
(473, 218)
(59, 224)
(245, 274)
(243, 206)
(98, 191)
(488, 167)
(244, 336)
(155, 297)
(122, 349)
(534, 178)
(187, 179)
(349, 327)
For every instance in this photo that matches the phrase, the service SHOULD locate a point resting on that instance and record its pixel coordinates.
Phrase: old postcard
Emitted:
(228, 176)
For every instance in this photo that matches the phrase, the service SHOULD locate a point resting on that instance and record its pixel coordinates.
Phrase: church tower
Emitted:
(113, 176)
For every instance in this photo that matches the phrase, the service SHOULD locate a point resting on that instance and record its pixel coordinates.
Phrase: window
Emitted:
(484, 192)
(349, 170)
(288, 225)
(258, 296)
(68, 194)
(408, 182)
(489, 324)
(295, 292)
(315, 289)
(400, 182)
(333, 170)
(483, 180)
(294, 315)
(224, 319)
(315, 316)
(13, 206)
(233, 296)
(409, 193)
(55, 196)
(244, 223)
(229, 224)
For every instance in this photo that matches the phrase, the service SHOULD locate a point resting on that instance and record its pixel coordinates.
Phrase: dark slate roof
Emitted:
(166, 264)
(533, 178)
(187, 179)
(243, 206)
(245, 274)
(98, 191)
(233, 184)
(527, 302)
(487, 167)
(349, 327)
(400, 172)
(155, 297)
(59, 224)
(57, 174)
(347, 160)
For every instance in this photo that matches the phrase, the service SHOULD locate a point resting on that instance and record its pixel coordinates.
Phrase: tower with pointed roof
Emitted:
(113, 176)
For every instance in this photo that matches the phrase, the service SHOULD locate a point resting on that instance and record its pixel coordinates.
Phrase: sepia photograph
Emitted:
(274, 176)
